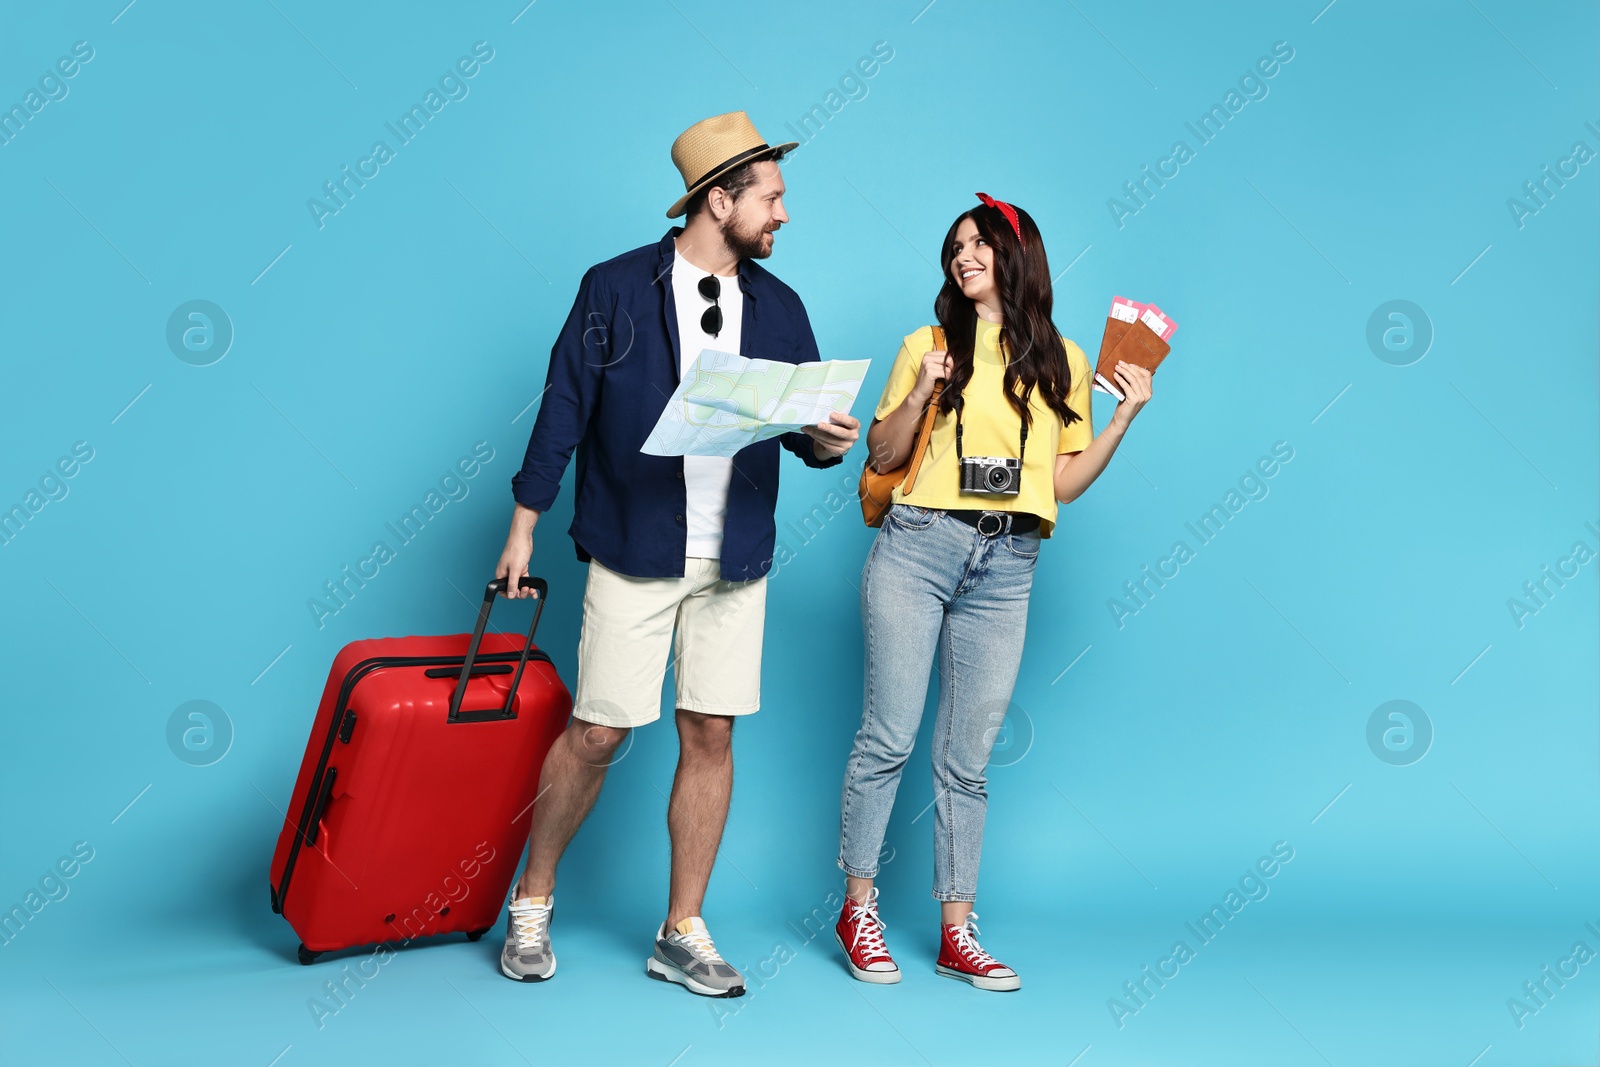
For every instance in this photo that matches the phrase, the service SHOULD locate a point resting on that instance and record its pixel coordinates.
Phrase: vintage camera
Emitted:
(998, 475)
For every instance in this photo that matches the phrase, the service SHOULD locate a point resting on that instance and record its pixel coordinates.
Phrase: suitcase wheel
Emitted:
(307, 957)
(474, 935)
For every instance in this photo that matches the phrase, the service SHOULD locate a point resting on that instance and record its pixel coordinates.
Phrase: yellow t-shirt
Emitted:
(990, 427)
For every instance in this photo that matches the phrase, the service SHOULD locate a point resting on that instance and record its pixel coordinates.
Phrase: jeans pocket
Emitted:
(912, 517)
(1024, 545)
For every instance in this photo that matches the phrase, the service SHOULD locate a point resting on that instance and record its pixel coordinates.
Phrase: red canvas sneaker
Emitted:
(860, 933)
(960, 956)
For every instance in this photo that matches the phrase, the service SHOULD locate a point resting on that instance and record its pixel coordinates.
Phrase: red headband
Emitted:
(1008, 211)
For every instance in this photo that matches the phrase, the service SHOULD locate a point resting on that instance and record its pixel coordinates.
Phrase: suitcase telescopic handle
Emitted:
(541, 590)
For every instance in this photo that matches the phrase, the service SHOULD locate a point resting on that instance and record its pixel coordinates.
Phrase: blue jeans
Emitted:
(932, 583)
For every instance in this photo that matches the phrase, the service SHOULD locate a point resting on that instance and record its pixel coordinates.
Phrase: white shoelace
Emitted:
(966, 940)
(532, 922)
(869, 927)
(700, 941)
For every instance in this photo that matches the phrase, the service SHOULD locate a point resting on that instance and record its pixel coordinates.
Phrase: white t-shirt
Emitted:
(705, 478)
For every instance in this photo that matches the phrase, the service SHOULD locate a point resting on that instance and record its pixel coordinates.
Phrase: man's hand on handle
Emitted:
(513, 565)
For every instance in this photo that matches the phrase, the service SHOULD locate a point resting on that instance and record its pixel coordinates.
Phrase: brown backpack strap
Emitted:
(926, 431)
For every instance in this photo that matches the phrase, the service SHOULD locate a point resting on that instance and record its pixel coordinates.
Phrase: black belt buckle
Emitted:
(999, 520)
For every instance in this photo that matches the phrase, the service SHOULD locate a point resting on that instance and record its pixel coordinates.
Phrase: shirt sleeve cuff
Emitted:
(538, 495)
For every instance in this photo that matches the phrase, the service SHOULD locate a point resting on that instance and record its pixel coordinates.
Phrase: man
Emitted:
(679, 542)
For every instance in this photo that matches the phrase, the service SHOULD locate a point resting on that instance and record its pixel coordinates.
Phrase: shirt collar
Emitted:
(667, 250)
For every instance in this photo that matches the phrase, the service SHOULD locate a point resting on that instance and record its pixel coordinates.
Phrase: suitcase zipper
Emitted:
(310, 810)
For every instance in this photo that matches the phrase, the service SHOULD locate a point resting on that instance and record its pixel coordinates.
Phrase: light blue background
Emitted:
(1133, 789)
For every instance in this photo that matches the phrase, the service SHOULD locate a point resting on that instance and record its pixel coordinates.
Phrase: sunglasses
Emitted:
(711, 289)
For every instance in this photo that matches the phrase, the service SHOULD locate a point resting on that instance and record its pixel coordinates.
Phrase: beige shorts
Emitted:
(628, 630)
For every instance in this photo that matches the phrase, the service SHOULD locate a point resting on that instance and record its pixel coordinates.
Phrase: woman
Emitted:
(952, 566)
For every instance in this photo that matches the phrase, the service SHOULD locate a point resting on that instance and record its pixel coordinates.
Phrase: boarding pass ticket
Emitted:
(1132, 311)
(1124, 309)
(1158, 322)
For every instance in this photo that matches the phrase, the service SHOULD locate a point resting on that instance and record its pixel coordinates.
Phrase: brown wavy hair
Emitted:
(1036, 356)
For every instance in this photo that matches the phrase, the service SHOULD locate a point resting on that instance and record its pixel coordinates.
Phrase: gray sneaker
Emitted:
(686, 955)
(528, 956)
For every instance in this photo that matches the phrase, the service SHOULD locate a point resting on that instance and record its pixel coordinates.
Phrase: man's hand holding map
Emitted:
(727, 402)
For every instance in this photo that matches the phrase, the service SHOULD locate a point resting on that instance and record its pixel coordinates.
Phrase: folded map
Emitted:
(727, 402)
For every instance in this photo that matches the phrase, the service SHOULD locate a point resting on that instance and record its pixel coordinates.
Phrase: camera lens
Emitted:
(998, 478)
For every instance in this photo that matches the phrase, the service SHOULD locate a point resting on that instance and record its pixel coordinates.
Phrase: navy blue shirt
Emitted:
(612, 370)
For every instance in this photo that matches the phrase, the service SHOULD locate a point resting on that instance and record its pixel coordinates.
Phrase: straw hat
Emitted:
(714, 146)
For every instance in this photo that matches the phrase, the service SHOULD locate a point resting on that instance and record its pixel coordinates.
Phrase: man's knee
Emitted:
(595, 743)
(705, 736)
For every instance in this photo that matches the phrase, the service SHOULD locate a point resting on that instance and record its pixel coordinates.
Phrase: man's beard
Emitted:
(746, 244)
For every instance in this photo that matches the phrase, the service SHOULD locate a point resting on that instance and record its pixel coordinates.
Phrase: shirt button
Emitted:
(678, 518)
(680, 475)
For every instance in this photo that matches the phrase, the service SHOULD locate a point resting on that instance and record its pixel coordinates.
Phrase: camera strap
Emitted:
(1022, 441)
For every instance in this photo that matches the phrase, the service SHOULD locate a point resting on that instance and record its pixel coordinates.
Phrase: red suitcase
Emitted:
(416, 791)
